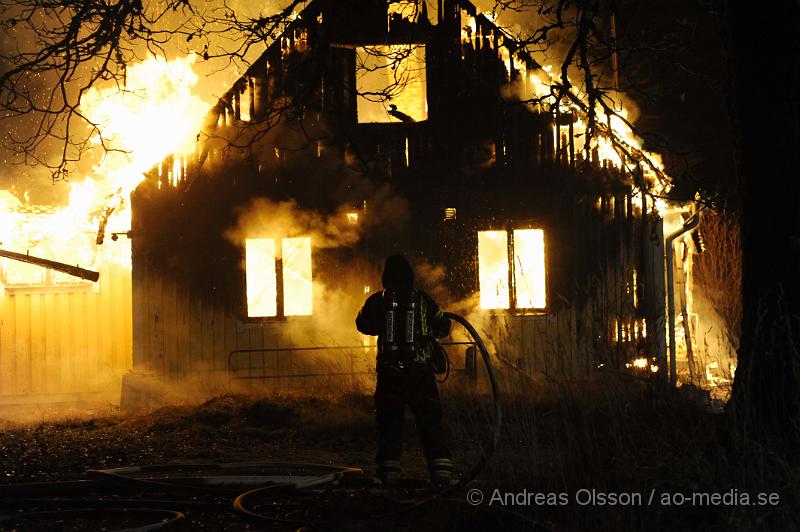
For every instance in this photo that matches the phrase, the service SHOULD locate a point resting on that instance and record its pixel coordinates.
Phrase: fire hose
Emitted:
(498, 409)
(240, 503)
(204, 484)
(157, 519)
(216, 478)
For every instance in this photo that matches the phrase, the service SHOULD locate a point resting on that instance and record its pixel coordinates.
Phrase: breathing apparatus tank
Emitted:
(390, 321)
(400, 335)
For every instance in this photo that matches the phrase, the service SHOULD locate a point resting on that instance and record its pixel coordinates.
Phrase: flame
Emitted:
(246, 98)
(493, 269)
(297, 285)
(261, 256)
(262, 287)
(469, 32)
(614, 143)
(154, 115)
(529, 268)
(642, 364)
(66, 235)
(612, 139)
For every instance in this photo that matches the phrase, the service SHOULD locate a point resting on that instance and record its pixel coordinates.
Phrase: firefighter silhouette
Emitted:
(402, 317)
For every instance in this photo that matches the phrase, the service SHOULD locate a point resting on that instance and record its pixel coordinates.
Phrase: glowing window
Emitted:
(493, 268)
(278, 277)
(406, 9)
(529, 279)
(411, 10)
(515, 258)
(297, 276)
(391, 83)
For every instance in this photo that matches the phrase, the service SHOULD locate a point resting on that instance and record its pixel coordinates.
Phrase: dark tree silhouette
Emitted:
(766, 398)
(56, 50)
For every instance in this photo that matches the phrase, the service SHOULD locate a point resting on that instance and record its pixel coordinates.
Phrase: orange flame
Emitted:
(154, 115)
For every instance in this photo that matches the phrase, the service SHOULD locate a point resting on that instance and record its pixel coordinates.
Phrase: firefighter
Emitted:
(404, 318)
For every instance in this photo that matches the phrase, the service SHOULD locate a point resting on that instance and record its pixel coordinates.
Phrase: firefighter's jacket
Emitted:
(429, 322)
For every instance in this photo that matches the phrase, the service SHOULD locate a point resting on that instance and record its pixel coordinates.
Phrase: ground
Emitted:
(579, 441)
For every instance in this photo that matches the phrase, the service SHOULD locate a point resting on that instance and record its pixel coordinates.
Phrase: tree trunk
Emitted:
(763, 55)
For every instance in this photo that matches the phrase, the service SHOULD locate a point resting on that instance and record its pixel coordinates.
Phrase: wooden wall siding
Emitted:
(187, 337)
(62, 341)
(545, 344)
(185, 333)
(594, 327)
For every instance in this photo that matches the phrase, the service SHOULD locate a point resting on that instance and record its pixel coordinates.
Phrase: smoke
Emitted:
(339, 289)
(264, 218)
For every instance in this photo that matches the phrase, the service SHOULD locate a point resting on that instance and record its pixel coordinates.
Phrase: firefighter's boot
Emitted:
(441, 470)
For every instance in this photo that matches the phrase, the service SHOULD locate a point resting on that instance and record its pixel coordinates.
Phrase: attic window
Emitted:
(278, 277)
(391, 83)
(405, 9)
(516, 258)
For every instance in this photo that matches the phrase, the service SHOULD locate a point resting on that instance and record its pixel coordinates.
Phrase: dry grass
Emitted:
(718, 271)
(613, 434)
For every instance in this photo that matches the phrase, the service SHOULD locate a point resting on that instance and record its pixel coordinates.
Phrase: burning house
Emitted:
(65, 268)
(237, 240)
(64, 327)
(374, 127)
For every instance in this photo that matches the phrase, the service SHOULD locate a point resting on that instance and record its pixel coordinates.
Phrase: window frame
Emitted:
(513, 309)
(420, 44)
(280, 295)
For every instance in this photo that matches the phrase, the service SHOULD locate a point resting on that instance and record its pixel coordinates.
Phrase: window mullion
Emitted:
(512, 289)
(279, 277)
